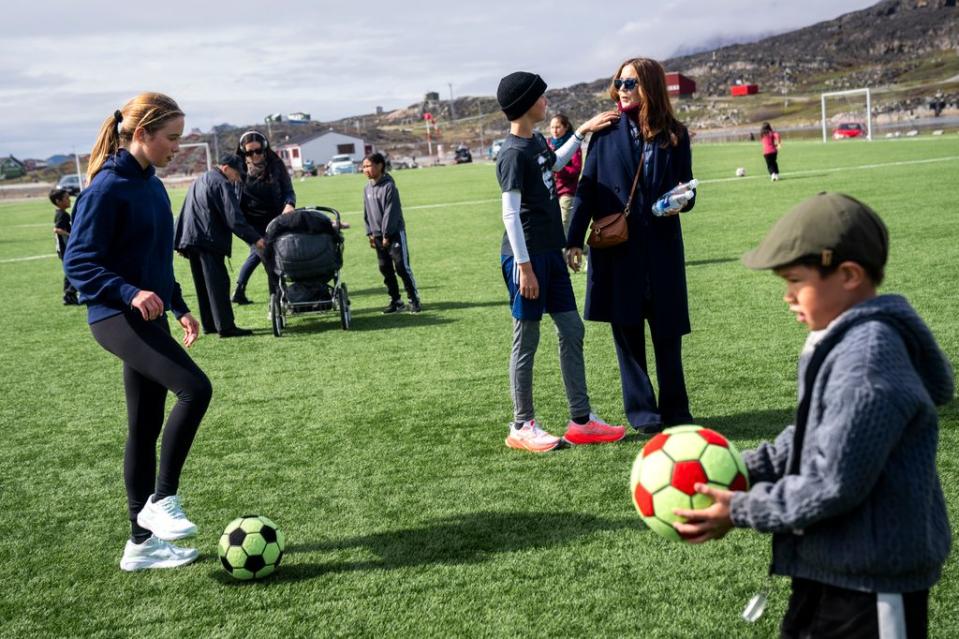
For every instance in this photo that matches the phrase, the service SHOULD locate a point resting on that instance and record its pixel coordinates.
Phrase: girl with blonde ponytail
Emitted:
(120, 260)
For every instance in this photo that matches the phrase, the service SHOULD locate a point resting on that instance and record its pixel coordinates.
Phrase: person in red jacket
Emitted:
(771, 144)
(560, 130)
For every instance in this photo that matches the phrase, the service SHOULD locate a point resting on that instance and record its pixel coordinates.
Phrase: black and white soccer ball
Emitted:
(251, 547)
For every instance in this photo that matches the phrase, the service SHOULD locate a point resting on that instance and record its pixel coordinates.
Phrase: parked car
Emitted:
(847, 130)
(70, 183)
(462, 156)
(340, 164)
(495, 147)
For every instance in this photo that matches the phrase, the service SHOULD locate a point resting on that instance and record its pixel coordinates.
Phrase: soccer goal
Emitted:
(206, 147)
(847, 113)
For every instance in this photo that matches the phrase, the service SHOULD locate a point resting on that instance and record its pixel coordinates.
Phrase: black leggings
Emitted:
(154, 363)
(771, 164)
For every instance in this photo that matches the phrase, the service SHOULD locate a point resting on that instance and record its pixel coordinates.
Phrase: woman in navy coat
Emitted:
(642, 280)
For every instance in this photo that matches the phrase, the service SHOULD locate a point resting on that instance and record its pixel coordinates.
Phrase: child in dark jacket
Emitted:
(850, 492)
(386, 230)
(60, 199)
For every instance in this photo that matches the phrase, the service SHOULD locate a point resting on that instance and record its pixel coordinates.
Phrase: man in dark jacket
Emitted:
(210, 213)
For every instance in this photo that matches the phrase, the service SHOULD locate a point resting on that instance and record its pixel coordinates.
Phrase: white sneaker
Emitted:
(165, 519)
(775, 177)
(532, 438)
(155, 553)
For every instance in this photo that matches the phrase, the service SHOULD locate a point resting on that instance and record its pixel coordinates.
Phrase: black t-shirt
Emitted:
(526, 165)
(61, 220)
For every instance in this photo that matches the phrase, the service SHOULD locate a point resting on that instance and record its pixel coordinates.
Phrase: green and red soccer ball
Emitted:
(672, 463)
(251, 547)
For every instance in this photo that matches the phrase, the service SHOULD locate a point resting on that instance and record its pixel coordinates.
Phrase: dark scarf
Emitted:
(555, 143)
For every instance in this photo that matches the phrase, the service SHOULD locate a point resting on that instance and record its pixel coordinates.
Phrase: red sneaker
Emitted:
(595, 431)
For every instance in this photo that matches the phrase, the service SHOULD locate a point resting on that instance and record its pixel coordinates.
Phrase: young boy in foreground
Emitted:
(850, 492)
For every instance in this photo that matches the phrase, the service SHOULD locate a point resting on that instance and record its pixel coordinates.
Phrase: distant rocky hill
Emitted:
(874, 46)
(895, 42)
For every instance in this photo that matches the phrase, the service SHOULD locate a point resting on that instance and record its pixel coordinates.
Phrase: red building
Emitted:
(679, 85)
(743, 89)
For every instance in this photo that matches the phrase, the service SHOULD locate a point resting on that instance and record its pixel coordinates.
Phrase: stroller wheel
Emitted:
(343, 301)
(276, 314)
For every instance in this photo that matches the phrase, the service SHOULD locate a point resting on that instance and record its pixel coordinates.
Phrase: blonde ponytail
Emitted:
(147, 111)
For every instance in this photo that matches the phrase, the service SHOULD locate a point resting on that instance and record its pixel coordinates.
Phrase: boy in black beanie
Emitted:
(533, 265)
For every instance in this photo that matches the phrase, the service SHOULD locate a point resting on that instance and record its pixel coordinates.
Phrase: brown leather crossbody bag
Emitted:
(611, 230)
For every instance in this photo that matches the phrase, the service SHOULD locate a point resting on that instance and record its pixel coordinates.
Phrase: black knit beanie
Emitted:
(517, 92)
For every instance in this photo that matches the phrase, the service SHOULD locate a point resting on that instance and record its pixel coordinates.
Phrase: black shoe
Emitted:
(414, 306)
(395, 306)
(651, 429)
(70, 300)
(240, 298)
(236, 332)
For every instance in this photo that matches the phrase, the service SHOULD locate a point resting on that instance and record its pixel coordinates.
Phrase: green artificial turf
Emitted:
(379, 451)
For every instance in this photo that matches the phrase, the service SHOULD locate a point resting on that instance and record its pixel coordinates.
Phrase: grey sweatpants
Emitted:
(569, 329)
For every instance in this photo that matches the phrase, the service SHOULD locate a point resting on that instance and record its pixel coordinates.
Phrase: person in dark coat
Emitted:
(210, 214)
(266, 193)
(642, 280)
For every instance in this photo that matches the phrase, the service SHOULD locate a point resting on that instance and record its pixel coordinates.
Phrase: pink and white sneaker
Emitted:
(595, 431)
(532, 438)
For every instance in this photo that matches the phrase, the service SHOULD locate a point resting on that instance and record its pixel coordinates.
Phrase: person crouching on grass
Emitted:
(120, 259)
(850, 492)
(534, 268)
(386, 230)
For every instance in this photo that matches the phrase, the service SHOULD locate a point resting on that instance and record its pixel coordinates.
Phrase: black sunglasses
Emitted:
(629, 83)
(254, 152)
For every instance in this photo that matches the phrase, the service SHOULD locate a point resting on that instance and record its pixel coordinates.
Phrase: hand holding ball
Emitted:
(671, 464)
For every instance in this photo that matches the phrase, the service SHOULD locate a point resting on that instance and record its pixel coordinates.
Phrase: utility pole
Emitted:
(785, 89)
(452, 108)
(76, 158)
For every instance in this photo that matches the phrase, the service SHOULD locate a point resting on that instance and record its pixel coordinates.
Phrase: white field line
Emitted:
(26, 259)
(839, 169)
(434, 206)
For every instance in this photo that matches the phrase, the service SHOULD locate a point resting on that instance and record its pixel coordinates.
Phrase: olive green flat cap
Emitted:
(833, 226)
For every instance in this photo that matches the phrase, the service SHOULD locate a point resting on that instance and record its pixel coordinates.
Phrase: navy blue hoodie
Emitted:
(122, 240)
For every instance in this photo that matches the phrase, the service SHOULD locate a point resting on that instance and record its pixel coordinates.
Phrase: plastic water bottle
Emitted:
(675, 199)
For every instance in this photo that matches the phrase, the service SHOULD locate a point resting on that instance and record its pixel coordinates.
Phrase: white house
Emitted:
(321, 147)
(290, 154)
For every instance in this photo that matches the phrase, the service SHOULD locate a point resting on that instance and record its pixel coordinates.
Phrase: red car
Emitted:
(848, 130)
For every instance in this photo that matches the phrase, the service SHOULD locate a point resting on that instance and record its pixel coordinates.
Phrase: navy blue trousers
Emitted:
(639, 398)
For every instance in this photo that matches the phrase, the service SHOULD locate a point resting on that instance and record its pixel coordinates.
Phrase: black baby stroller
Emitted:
(304, 254)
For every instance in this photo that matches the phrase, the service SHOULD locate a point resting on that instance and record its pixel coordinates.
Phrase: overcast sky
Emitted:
(66, 65)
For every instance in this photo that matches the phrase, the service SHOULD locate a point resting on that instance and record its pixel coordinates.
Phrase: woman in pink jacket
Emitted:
(771, 143)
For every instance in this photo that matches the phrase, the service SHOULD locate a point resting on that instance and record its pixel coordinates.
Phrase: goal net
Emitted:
(847, 115)
(193, 157)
